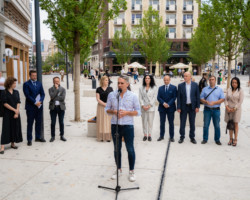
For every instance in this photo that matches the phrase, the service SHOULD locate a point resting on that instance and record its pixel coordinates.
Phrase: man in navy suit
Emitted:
(188, 102)
(166, 97)
(34, 93)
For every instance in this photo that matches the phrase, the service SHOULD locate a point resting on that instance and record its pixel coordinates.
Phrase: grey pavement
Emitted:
(74, 169)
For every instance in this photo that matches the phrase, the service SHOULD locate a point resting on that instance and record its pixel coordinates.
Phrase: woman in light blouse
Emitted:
(233, 100)
(147, 97)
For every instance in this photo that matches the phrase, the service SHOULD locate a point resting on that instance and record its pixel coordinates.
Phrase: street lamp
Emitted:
(38, 53)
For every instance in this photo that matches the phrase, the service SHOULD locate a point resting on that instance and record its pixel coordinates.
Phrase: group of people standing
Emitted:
(34, 93)
(188, 96)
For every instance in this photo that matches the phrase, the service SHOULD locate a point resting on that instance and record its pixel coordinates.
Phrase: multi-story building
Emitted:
(15, 40)
(31, 35)
(180, 16)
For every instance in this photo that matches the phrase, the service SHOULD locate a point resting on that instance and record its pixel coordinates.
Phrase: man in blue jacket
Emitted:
(166, 97)
(34, 93)
(188, 102)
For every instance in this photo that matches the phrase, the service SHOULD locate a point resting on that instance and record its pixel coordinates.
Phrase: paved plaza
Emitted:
(74, 169)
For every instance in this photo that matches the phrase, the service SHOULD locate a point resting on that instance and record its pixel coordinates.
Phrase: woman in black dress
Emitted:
(11, 128)
(103, 119)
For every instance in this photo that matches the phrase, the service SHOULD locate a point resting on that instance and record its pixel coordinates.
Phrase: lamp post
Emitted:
(38, 53)
(235, 66)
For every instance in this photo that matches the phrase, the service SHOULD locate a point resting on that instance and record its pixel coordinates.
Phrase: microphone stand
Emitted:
(117, 189)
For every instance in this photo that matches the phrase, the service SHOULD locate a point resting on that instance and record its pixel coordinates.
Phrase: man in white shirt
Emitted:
(92, 73)
(62, 74)
(57, 107)
(188, 103)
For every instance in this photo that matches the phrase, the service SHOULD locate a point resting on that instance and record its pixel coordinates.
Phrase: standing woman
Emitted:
(147, 98)
(2, 80)
(11, 128)
(233, 101)
(103, 119)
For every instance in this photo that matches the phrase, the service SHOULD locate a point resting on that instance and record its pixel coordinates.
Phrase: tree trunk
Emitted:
(151, 67)
(229, 72)
(77, 76)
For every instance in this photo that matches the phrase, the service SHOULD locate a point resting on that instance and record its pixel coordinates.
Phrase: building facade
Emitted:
(15, 18)
(180, 16)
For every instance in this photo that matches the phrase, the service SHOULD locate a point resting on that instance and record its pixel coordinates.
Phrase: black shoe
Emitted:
(203, 142)
(172, 140)
(149, 138)
(160, 138)
(1, 152)
(13, 147)
(63, 139)
(144, 138)
(29, 143)
(218, 142)
(193, 141)
(181, 141)
(52, 139)
(40, 140)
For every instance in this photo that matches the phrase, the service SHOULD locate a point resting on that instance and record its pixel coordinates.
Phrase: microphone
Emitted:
(119, 92)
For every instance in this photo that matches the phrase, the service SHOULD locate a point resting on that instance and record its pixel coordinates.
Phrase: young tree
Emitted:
(227, 23)
(203, 45)
(75, 24)
(151, 37)
(123, 45)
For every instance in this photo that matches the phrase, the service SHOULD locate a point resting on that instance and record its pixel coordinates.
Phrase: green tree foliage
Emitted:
(75, 25)
(226, 19)
(55, 60)
(123, 45)
(151, 38)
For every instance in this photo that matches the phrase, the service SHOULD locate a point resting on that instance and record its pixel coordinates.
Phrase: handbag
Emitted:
(230, 124)
(1, 104)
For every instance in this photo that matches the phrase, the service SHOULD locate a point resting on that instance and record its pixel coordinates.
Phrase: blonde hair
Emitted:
(102, 80)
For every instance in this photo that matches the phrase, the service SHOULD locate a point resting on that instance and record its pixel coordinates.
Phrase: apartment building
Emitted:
(180, 16)
(15, 40)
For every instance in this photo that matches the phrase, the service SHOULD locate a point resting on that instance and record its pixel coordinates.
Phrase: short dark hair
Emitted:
(32, 71)
(238, 82)
(152, 81)
(9, 82)
(212, 76)
(55, 78)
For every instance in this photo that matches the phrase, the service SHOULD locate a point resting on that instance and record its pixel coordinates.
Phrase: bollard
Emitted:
(93, 83)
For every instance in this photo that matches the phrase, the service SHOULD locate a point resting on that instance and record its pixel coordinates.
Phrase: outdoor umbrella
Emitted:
(136, 65)
(179, 66)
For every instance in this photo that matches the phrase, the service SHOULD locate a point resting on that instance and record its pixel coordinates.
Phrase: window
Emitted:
(190, 2)
(136, 18)
(170, 2)
(187, 16)
(171, 16)
(176, 46)
(171, 30)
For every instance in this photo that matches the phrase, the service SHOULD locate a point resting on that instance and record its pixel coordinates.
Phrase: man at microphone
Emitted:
(128, 108)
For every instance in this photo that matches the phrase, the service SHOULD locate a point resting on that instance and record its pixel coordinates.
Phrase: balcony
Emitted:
(188, 22)
(119, 21)
(155, 7)
(188, 8)
(188, 35)
(171, 35)
(171, 22)
(171, 8)
(137, 7)
(136, 21)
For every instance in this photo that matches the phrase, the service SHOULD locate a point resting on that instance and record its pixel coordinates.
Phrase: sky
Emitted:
(45, 30)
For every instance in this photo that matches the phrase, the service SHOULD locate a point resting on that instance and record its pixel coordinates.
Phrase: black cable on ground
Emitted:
(163, 172)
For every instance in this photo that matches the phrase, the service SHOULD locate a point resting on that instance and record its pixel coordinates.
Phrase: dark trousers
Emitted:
(183, 118)
(170, 121)
(34, 114)
(126, 131)
(53, 113)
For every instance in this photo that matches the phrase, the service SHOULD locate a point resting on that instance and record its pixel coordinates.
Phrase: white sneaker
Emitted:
(132, 176)
(113, 177)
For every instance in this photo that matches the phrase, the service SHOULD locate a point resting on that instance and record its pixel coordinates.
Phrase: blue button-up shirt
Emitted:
(129, 102)
(216, 95)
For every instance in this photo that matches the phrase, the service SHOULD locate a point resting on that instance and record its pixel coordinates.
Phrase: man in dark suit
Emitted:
(166, 97)
(34, 93)
(57, 107)
(188, 102)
